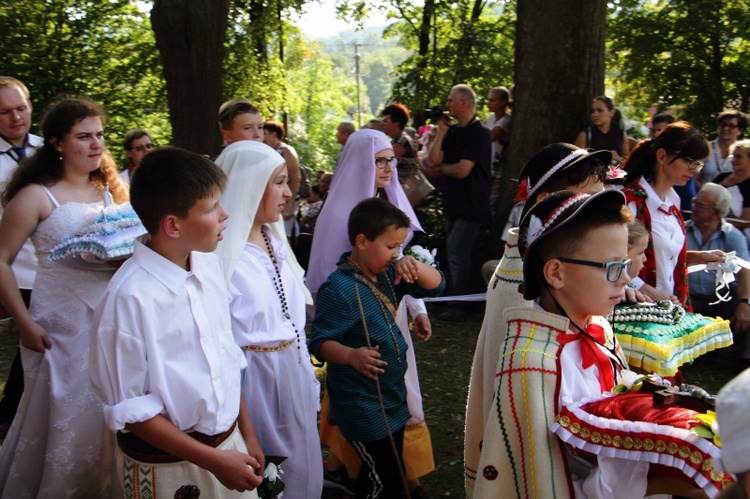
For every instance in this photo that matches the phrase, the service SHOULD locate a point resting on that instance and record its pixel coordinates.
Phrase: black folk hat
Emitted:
(549, 162)
(550, 215)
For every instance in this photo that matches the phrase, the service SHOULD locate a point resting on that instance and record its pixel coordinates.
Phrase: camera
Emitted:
(434, 113)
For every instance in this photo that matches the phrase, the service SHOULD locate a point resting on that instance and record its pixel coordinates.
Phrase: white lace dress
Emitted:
(58, 446)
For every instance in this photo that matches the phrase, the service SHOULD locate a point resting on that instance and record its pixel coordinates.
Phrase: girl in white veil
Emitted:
(357, 178)
(268, 300)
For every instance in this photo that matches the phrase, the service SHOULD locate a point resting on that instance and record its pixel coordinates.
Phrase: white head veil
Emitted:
(249, 166)
(353, 181)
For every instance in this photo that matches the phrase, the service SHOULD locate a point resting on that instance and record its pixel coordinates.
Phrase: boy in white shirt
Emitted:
(163, 360)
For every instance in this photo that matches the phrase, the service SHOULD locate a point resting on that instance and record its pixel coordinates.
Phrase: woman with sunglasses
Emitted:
(367, 168)
(654, 168)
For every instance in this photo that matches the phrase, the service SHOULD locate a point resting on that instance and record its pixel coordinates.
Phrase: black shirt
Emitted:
(468, 198)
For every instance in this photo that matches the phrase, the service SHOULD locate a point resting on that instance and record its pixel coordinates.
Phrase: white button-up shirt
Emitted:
(666, 234)
(24, 266)
(162, 344)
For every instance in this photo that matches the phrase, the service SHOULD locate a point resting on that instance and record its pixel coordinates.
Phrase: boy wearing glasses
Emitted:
(562, 351)
(553, 168)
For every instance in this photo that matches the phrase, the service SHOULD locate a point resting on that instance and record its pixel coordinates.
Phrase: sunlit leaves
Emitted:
(101, 48)
(681, 54)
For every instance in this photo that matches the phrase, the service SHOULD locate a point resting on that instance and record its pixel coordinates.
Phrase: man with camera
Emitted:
(460, 153)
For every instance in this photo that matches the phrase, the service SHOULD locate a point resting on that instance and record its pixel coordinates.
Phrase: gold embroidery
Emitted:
(276, 348)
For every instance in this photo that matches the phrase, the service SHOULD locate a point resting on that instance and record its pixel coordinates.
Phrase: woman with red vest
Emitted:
(654, 167)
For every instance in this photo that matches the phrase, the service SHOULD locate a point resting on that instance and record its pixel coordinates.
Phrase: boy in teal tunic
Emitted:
(356, 333)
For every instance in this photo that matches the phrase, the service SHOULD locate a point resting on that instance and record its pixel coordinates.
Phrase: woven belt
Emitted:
(276, 348)
(140, 450)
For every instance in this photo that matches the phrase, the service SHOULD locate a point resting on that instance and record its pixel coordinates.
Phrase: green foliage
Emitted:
(320, 101)
(308, 89)
(104, 49)
(468, 43)
(687, 55)
(378, 60)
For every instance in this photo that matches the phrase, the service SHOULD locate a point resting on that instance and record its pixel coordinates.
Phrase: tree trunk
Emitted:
(559, 69)
(190, 37)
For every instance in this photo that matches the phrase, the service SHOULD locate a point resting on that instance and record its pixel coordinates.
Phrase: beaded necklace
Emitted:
(381, 298)
(662, 312)
(279, 285)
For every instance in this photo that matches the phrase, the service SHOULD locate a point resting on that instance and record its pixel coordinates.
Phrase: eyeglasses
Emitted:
(694, 165)
(731, 126)
(143, 147)
(381, 163)
(697, 205)
(612, 269)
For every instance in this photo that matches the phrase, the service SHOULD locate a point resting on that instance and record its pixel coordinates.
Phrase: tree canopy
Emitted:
(680, 55)
(688, 56)
(104, 49)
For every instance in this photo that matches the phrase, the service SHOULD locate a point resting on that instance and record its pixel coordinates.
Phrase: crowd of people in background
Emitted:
(191, 360)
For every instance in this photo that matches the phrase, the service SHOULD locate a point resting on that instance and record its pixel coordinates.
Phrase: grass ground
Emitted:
(444, 369)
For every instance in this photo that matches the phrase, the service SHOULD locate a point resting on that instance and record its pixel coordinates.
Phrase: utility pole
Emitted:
(356, 69)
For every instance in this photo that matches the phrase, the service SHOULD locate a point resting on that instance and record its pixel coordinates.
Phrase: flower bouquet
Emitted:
(422, 254)
(272, 486)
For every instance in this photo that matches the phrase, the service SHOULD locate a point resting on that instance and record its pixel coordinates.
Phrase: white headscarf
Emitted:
(249, 166)
(353, 181)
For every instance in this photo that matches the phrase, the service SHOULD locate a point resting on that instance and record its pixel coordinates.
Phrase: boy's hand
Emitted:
(422, 327)
(366, 360)
(254, 450)
(236, 470)
(406, 269)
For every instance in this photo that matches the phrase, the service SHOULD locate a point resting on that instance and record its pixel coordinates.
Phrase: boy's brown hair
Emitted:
(373, 217)
(169, 181)
(230, 109)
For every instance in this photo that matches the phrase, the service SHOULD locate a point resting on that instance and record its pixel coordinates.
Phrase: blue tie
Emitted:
(20, 152)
